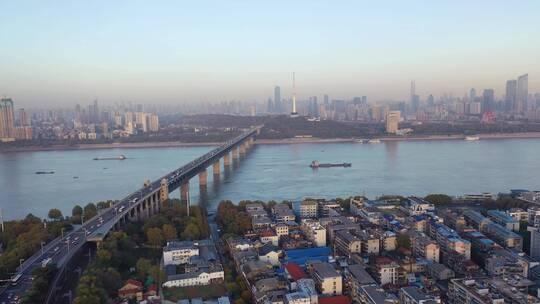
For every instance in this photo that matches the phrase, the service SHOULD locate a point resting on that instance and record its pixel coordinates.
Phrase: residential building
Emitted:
(327, 279)
(202, 277)
(375, 295)
(413, 295)
(503, 219)
(179, 252)
(314, 232)
(355, 277)
(308, 209)
(424, 247)
(490, 290)
(346, 243)
(386, 271)
(392, 121)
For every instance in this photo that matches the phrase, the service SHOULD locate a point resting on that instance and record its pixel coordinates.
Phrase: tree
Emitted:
(143, 267)
(55, 214)
(155, 237)
(191, 232)
(90, 210)
(157, 273)
(77, 210)
(104, 256)
(103, 205)
(438, 199)
(403, 241)
(169, 232)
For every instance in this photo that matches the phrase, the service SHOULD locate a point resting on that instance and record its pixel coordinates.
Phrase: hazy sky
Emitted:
(60, 52)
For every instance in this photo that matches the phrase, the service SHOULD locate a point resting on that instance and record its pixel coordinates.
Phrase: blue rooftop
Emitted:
(307, 252)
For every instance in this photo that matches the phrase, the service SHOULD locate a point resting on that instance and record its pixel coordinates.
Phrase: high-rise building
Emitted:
(294, 113)
(511, 92)
(488, 103)
(522, 93)
(7, 119)
(277, 100)
(392, 121)
(23, 118)
(415, 99)
(270, 106)
(153, 122)
(472, 94)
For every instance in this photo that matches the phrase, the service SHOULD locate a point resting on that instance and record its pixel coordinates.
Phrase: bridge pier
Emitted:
(164, 191)
(227, 159)
(242, 149)
(216, 168)
(184, 191)
(236, 152)
(203, 178)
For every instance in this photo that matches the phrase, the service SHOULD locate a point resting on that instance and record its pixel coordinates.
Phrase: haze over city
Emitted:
(68, 52)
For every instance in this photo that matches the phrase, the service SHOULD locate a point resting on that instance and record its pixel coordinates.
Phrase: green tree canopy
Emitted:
(169, 232)
(55, 214)
(77, 210)
(155, 237)
(438, 199)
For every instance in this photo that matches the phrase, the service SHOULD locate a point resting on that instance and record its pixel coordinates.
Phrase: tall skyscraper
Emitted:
(270, 106)
(488, 104)
(472, 94)
(415, 99)
(277, 100)
(522, 93)
(7, 119)
(413, 89)
(392, 121)
(511, 92)
(293, 112)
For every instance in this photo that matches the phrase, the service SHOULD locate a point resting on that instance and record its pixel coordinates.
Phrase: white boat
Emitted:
(472, 138)
(374, 141)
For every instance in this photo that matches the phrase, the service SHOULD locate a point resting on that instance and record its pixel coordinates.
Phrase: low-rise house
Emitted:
(270, 253)
(282, 229)
(207, 276)
(179, 252)
(253, 207)
(283, 213)
(269, 236)
(260, 223)
(132, 289)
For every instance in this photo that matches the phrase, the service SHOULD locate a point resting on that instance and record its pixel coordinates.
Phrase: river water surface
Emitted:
(275, 172)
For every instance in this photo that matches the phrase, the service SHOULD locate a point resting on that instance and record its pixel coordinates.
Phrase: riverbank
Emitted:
(169, 144)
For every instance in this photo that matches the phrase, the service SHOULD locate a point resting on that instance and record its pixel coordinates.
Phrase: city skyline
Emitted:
(71, 52)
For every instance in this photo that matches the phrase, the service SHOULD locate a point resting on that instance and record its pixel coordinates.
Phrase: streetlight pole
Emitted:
(42, 243)
(62, 231)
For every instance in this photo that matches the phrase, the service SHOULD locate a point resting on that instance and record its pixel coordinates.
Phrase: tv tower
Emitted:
(294, 113)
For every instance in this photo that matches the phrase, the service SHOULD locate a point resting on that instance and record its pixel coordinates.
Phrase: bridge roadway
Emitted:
(60, 250)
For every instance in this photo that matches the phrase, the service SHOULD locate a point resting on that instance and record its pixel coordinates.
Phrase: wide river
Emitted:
(272, 172)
